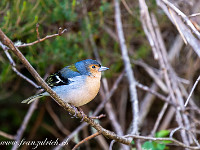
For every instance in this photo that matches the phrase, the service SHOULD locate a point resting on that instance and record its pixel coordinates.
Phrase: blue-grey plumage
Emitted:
(77, 84)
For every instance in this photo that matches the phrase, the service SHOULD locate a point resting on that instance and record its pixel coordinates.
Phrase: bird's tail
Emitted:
(32, 98)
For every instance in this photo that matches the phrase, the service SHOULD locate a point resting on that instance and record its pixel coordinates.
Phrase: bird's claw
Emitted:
(81, 111)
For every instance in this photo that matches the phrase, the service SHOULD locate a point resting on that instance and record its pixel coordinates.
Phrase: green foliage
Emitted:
(157, 145)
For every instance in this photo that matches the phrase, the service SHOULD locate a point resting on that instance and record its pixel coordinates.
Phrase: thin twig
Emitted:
(152, 74)
(86, 139)
(184, 17)
(129, 71)
(148, 28)
(178, 143)
(160, 116)
(43, 39)
(162, 97)
(171, 81)
(127, 7)
(190, 132)
(194, 86)
(177, 26)
(194, 15)
(38, 34)
(98, 117)
(191, 39)
(6, 135)
(13, 64)
(24, 124)
(56, 120)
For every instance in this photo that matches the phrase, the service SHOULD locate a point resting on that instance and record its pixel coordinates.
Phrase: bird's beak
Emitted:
(103, 68)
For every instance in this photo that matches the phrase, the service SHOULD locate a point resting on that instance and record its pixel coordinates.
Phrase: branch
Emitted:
(86, 139)
(191, 39)
(178, 143)
(194, 86)
(12, 63)
(6, 135)
(184, 17)
(24, 124)
(60, 32)
(128, 69)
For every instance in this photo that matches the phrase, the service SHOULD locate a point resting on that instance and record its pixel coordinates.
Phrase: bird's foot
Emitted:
(76, 110)
(83, 114)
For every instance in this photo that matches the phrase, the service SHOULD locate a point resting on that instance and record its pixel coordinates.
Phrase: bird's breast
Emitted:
(82, 93)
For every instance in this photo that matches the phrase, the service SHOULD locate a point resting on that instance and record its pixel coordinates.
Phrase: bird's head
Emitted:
(90, 67)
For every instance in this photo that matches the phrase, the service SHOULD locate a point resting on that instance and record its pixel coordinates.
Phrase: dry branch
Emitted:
(86, 139)
(191, 39)
(128, 69)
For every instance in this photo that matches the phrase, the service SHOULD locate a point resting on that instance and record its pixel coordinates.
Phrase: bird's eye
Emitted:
(93, 66)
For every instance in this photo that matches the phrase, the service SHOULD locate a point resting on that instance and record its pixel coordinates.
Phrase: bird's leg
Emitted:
(81, 111)
(75, 109)
(83, 114)
(39, 87)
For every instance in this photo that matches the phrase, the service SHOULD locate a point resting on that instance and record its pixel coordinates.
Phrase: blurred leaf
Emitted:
(162, 133)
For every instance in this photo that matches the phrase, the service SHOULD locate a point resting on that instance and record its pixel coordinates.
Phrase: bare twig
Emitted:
(171, 81)
(178, 143)
(161, 114)
(194, 86)
(184, 17)
(56, 120)
(194, 15)
(152, 73)
(6, 135)
(127, 7)
(86, 139)
(12, 63)
(128, 69)
(38, 34)
(98, 117)
(177, 26)
(190, 132)
(68, 138)
(24, 123)
(162, 97)
(43, 39)
(191, 39)
(148, 28)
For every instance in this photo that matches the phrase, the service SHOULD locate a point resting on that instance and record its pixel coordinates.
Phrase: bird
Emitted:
(76, 84)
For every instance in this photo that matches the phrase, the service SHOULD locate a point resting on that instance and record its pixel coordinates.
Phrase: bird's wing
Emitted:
(63, 77)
